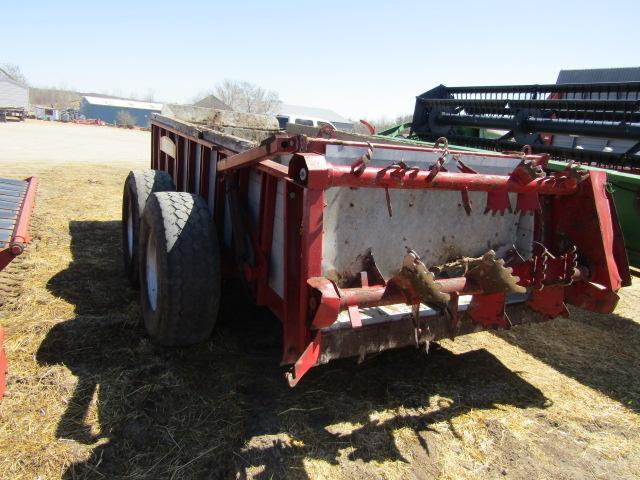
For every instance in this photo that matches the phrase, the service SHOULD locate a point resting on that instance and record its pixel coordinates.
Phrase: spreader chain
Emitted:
(359, 165)
(439, 165)
(549, 269)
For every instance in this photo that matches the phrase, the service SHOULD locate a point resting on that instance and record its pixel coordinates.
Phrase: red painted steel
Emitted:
(294, 330)
(20, 234)
(191, 167)
(489, 310)
(277, 145)
(341, 176)
(171, 161)
(154, 148)
(371, 128)
(180, 158)
(17, 243)
(205, 166)
(3, 364)
(549, 301)
(318, 145)
(272, 168)
(307, 360)
(5, 258)
(574, 214)
(283, 143)
(379, 295)
(332, 300)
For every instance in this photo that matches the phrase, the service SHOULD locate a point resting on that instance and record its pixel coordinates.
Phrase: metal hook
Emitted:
(359, 165)
(445, 144)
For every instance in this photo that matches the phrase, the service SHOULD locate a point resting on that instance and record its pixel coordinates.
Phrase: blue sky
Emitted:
(362, 59)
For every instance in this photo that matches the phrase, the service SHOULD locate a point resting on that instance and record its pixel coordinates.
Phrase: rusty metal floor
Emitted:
(12, 194)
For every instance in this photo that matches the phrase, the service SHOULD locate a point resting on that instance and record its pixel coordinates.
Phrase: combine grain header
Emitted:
(359, 246)
(592, 123)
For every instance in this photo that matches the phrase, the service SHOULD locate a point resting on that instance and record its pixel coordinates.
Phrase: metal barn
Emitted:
(13, 94)
(107, 109)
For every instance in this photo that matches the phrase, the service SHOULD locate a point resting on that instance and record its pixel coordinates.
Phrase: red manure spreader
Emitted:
(359, 246)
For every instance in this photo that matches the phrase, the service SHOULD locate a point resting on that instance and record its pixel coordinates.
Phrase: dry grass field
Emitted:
(89, 397)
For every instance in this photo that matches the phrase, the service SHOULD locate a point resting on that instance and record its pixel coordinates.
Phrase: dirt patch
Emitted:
(90, 397)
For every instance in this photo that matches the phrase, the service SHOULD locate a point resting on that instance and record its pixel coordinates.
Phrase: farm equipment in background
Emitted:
(17, 199)
(360, 246)
(17, 113)
(594, 124)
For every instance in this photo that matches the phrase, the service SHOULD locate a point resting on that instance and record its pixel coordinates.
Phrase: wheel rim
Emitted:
(130, 230)
(152, 273)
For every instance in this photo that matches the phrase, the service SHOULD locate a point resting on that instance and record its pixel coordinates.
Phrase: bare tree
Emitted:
(150, 95)
(54, 97)
(13, 71)
(247, 97)
(125, 119)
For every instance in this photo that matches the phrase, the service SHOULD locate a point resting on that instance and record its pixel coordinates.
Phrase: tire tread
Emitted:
(193, 266)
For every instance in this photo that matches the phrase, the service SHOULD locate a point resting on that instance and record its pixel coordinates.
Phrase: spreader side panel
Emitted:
(435, 224)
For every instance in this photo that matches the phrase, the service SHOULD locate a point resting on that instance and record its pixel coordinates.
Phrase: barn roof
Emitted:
(597, 75)
(211, 101)
(4, 76)
(122, 103)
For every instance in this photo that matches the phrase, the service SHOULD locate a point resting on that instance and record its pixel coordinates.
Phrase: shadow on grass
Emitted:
(221, 409)
(600, 351)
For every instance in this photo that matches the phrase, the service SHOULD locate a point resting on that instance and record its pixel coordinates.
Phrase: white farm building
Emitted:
(13, 94)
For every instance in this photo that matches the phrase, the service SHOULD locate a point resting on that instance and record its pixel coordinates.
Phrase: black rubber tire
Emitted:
(187, 269)
(137, 188)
